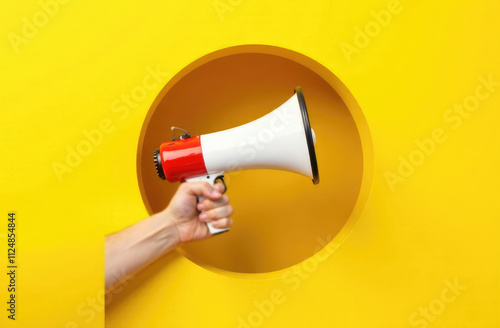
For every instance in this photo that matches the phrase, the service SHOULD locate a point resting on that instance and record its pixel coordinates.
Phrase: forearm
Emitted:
(133, 248)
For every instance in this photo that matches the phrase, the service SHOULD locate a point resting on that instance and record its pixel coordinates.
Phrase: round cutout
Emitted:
(281, 219)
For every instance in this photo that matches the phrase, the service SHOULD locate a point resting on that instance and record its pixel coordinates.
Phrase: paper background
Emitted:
(438, 227)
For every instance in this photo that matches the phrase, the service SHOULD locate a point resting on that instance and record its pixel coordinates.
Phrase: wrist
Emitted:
(165, 231)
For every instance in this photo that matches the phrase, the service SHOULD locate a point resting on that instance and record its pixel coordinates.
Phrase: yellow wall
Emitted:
(434, 227)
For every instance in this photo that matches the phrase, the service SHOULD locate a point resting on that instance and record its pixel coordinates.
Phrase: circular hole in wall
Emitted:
(281, 219)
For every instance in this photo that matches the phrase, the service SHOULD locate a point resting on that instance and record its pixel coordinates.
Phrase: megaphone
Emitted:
(281, 140)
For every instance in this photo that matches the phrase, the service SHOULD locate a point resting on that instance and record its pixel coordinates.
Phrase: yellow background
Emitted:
(439, 225)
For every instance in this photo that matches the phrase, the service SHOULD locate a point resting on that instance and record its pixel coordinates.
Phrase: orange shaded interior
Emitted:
(279, 216)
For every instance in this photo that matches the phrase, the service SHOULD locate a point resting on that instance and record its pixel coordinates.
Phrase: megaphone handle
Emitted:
(212, 178)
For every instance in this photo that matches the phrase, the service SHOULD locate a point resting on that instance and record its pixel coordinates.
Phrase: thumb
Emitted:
(201, 188)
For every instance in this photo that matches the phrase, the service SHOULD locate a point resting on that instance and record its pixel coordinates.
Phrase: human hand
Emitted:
(190, 217)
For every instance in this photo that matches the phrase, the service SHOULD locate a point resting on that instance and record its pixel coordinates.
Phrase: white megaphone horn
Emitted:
(280, 140)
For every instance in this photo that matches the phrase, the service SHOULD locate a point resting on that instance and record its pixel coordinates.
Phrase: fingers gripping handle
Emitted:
(212, 180)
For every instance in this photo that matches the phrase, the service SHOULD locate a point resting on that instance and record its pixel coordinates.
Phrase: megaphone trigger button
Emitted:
(221, 179)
